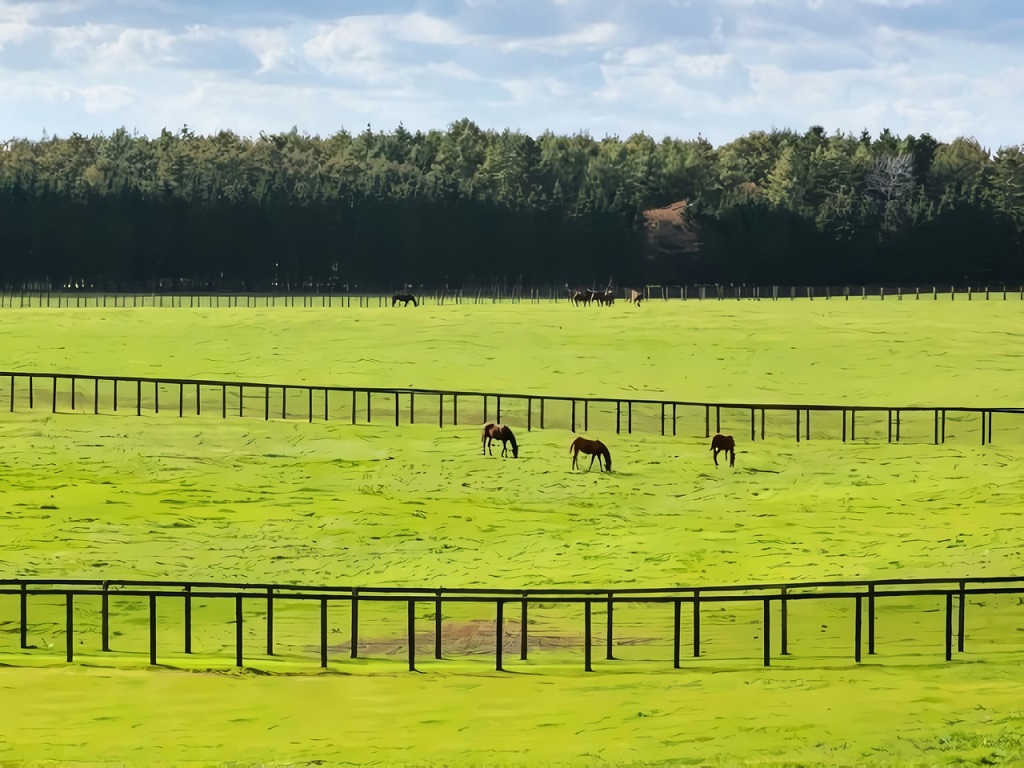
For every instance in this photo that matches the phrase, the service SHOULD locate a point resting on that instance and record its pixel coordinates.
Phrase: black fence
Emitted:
(83, 393)
(775, 601)
(62, 297)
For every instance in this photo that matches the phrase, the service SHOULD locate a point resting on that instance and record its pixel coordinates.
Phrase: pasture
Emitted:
(201, 498)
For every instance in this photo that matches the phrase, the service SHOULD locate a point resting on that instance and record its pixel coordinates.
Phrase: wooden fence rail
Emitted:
(774, 598)
(78, 393)
(58, 297)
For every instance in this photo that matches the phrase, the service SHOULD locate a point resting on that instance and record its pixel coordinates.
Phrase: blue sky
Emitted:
(717, 68)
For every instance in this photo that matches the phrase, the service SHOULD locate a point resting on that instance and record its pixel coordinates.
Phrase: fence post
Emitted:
(396, 408)
(767, 632)
(949, 626)
(437, 623)
(529, 414)
(871, 619)
(284, 402)
(270, 621)
(586, 415)
(24, 615)
(355, 623)
(857, 630)
(618, 410)
(609, 629)
(677, 610)
(95, 396)
(53, 405)
(673, 419)
(412, 407)
(238, 630)
(696, 623)
(497, 408)
(323, 632)
(412, 635)
(310, 393)
(784, 628)
(181, 398)
(152, 629)
(105, 619)
(499, 632)
(573, 416)
(587, 637)
(69, 637)
(188, 619)
(960, 619)
(798, 425)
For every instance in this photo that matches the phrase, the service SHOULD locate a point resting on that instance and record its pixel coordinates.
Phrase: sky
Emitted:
(681, 68)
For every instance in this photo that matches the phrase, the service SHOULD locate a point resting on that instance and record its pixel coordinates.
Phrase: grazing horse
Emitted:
(580, 298)
(635, 297)
(593, 448)
(404, 297)
(724, 443)
(501, 432)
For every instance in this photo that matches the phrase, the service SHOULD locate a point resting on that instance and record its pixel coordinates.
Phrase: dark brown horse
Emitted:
(501, 432)
(404, 297)
(580, 298)
(593, 448)
(725, 443)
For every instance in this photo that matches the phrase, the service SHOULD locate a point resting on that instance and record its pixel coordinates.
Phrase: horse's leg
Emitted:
(714, 455)
(592, 463)
(575, 455)
(732, 458)
(504, 447)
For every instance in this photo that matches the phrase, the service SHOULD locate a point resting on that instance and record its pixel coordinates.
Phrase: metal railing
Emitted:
(58, 298)
(366, 405)
(864, 594)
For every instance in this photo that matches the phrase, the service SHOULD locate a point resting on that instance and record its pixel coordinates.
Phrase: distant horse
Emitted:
(724, 443)
(635, 297)
(580, 298)
(501, 432)
(603, 297)
(593, 448)
(405, 297)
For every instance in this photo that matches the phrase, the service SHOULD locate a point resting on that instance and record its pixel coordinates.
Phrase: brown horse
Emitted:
(724, 443)
(580, 298)
(593, 448)
(405, 298)
(501, 432)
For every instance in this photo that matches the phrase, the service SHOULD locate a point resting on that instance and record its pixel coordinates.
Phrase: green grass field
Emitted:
(122, 496)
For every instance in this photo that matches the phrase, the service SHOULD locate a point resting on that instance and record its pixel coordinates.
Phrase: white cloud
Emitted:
(716, 67)
(591, 36)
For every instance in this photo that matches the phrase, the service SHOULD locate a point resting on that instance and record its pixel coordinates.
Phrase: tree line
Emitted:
(466, 205)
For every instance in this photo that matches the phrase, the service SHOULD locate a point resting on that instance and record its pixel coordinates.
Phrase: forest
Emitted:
(466, 206)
